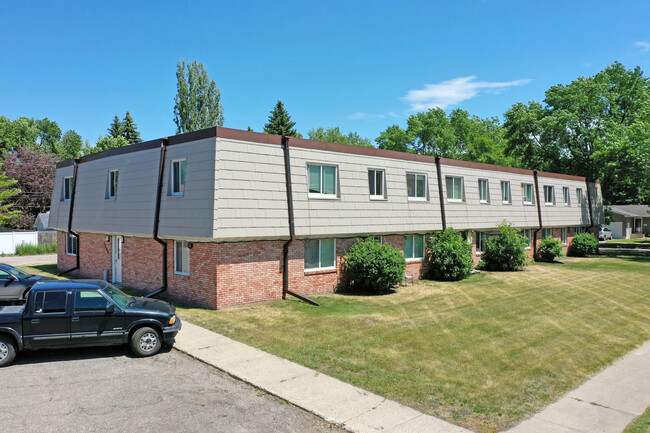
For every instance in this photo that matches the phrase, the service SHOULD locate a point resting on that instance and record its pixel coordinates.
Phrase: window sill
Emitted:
(528, 203)
(454, 200)
(319, 271)
(420, 199)
(549, 204)
(71, 255)
(506, 202)
(176, 195)
(110, 198)
(484, 202)
(66, 199)
(322, 196)
(182, 274)
(415, 259)
(377, 198)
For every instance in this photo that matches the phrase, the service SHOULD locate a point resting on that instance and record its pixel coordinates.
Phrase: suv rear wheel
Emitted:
(145, 341)
(7, 350)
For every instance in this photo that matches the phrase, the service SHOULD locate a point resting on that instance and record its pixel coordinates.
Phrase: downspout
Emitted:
(442, 201)
(539, 214)
(76, 235)
(156, 221)
(292, 229)
(591, 212)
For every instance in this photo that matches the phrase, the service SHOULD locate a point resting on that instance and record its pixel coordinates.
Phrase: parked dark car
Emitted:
(14, 283)
(77, 313)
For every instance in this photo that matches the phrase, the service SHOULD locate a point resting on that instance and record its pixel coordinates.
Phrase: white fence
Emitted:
(10, 240)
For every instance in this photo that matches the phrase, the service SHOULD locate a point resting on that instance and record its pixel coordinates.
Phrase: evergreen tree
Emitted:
(280, 122)
(130, 129)
(116, 129)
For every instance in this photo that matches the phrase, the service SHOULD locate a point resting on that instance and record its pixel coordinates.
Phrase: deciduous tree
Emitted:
(334, 135)
(197, 104)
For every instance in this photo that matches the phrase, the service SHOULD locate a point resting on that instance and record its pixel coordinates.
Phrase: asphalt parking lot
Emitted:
(109, 390)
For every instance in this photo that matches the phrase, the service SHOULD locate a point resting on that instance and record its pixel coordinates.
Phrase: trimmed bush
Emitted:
(506, 251)
(31, 249)
(373, 267)
(449, 257)
(583, 244)
(549, 249)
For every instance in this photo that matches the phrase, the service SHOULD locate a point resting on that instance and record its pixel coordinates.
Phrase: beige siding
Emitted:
(353, 212)
(190, 216)
(251, 198)
(558, 214)
(59, 209)
(471, 214)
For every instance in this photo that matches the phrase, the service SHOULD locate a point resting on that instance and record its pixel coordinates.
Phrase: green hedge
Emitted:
(31, 249)
(373, 267)
(506, 251)
(549, 249)
(583, 244)
(449, 257)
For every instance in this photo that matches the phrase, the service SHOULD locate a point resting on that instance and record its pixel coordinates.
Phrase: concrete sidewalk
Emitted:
(355, 409)
(606, 403)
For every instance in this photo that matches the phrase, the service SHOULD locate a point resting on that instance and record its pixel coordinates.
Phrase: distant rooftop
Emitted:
(631, 210)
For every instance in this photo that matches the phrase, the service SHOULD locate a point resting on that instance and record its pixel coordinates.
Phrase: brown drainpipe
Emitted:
(442, 201)
(591, 212)
(156, 220)
(292, 229)
(539, 214)
(76, 235)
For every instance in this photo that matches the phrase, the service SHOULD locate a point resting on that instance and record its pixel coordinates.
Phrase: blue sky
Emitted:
(359, 65)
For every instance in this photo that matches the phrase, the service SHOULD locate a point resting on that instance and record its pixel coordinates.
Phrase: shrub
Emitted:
(583, 244)
(449, 257)
(549, 249)
(506, 251)
(373, 267)
(31, 249)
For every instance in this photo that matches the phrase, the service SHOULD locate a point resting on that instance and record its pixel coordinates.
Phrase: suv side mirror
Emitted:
(110, 308)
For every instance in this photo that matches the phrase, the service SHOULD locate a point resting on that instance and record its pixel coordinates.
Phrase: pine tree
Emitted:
(280, 122)
(116, 128)
(130, 129)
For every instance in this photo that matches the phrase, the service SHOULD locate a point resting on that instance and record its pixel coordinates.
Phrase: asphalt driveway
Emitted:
(109, 390)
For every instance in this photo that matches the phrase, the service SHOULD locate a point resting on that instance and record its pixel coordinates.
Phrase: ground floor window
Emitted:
(526, 234)
(181, 258)
(414, 246)
(379, 239)
(564, 235)
(578, 230)
(481, 241)
(71, 246)
(547, 233)
(320, 254)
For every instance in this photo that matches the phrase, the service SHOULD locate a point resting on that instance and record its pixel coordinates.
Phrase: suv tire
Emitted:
(145, 341)
(7, 350)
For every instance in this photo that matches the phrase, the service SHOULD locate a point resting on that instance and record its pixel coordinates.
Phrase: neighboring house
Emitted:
(218, 202)
(633, 220)
(42, 221)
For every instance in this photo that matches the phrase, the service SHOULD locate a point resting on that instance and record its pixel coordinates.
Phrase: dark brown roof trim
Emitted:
(257, 137)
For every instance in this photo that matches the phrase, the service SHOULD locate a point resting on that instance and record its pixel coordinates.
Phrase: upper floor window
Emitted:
(481, 241)
(414, 246)
(322, 181)
(112, 183)
(320, 254)
(549, 194)
(67, 188)
(71, 244)
(527, 192)
(454, 188)
(416, 186)
(181, 257)
(579, 194)
(505, 191)
(483, 191)
(565, 194)
(178, 177)
(376, 183)
(526, 234)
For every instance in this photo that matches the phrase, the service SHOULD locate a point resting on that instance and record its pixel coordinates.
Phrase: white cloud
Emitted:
(453, 91)
(360, 115)
(645, 46)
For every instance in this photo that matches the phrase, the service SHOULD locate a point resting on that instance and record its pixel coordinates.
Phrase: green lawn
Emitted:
(482, 353)
(641, 424)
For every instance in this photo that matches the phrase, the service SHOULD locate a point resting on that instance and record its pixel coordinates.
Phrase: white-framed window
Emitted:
(320, 254)
(547, 233)
(112, 184)
(414, 247)
(178, 177)
(505, 191)
(526, 234)
(454, 188)
(565, 195)
(578, 230)
(527, 192)
(563, 235)
(481, 241)
(483, 191)
(579, 194)
(379, 239)
(376, 184)
(322, 181)
(416, 186)
(71, 247)
(67, 188)
(549, 195)
(181, 258)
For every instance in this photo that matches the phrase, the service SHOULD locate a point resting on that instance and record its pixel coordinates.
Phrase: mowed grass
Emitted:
(482, 353)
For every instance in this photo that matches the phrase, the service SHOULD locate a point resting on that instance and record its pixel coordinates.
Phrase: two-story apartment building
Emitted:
(216, 216)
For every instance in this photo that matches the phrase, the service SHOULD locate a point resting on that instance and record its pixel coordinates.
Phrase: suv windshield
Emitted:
(118, 296)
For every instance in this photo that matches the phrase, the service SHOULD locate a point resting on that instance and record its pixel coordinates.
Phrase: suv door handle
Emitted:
(75, 319)
(36, 321)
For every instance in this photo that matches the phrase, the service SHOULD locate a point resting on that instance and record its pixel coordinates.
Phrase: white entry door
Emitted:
(117, 259)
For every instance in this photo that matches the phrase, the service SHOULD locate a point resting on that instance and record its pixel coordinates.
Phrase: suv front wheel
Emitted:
(145, 341)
